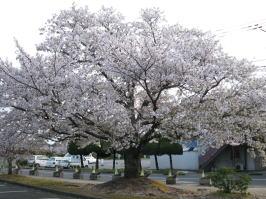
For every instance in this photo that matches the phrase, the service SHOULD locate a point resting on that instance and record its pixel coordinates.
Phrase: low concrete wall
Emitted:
(188, 161)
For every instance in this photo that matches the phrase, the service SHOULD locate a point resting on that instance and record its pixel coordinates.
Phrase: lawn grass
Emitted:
(67, 187)
(44, 183)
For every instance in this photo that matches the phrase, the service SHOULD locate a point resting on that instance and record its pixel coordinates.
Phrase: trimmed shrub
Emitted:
(228, 180)
(242, 183)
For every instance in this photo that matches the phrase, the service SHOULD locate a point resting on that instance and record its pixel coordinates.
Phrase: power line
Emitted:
(258, 60)
(243, 25)
(250, 26)
(255, 25)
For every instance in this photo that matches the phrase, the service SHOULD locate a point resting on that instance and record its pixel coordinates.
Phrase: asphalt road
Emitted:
(9, 191)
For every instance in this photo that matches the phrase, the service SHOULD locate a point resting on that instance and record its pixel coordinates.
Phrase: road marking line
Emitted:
(12, 191)
(2, 185)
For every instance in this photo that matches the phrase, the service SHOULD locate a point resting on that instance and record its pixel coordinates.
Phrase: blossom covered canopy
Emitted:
(97, 76)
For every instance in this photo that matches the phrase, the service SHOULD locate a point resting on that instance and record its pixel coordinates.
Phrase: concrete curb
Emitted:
(78, 196)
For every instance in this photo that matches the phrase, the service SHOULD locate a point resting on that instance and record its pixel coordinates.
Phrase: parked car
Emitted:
(38, 160)
(75, 160)
(90, 159)
(50, 163)
(63, 163)
(57, 161)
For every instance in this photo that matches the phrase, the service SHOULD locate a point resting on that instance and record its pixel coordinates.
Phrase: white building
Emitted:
(234, 156)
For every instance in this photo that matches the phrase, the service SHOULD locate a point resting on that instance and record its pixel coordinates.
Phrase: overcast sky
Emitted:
(229, 19)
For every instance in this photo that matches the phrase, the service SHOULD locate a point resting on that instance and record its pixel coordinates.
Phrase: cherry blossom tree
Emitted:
(14, 139)
(98, 77)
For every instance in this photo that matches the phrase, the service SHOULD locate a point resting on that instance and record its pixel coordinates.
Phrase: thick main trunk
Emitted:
(132, 163)
(9, 161)
(156, 162)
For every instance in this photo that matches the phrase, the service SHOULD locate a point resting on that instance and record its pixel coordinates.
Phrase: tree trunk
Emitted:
(114, 158)
(97, 162)
(132, 163)
(9, 161)
(81, 161)
(171, 162)
(156, 162)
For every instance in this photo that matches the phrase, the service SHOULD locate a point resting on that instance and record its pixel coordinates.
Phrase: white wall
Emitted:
(188, 161)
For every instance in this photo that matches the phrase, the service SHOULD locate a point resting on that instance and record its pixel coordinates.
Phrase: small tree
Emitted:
(99, 150)
(74, 149)
(152, 149)
(113, 151)
(168, 148)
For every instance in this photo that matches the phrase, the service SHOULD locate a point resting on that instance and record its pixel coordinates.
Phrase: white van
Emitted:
(57, 161)
(75, 160)
(38, 160)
